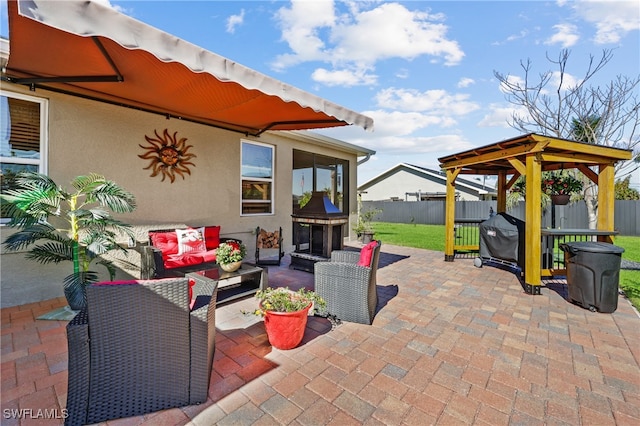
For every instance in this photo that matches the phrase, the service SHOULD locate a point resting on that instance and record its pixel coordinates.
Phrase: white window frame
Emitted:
(271, 180)
(41, 162)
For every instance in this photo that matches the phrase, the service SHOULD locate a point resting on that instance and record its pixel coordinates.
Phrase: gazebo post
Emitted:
(606, 199)
(450, 214)
(502, 192)
(533, 222)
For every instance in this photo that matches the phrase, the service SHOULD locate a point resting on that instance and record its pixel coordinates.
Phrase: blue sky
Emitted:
(424, 71)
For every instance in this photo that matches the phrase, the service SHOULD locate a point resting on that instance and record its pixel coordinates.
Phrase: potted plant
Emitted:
(75, 225)
(229, 255)
(363, 227)
(285, 314)
(559, 186)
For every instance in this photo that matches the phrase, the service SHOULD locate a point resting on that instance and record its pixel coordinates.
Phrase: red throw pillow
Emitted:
(192, 300)
(366, 253)
(167, 242)
(212, 237)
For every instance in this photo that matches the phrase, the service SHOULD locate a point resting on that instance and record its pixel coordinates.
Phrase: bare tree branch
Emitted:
(599, 114)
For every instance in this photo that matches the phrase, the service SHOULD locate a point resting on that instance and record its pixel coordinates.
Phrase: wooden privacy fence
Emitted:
(571, 216)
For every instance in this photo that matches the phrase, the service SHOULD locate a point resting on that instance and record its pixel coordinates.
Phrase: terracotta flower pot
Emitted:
(286, 329)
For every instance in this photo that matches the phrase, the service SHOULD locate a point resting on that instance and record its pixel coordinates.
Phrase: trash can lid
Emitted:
(592, 247)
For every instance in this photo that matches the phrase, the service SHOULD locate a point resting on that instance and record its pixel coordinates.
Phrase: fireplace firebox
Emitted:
(317, 231)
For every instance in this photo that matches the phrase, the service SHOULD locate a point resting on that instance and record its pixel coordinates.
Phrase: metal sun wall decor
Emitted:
(168, 156)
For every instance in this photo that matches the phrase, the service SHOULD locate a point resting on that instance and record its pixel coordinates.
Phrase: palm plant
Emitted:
(86, 229)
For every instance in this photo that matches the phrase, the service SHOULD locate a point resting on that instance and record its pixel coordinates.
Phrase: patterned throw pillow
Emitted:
(190, 240)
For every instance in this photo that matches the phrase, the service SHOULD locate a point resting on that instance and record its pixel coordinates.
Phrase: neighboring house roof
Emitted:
(427, 174)
(111, 57)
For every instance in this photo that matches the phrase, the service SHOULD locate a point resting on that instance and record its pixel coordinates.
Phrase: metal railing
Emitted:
(467, 237)
(467, 243)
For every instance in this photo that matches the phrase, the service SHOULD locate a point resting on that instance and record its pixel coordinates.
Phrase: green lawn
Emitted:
(431, 237)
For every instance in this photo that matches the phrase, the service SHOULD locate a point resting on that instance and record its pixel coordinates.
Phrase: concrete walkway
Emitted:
(451, 345)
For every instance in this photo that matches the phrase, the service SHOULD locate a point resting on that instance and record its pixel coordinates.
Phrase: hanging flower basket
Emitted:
(560, 183)
(560, 199)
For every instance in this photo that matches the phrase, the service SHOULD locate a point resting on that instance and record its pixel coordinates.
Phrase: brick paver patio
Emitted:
(451, 344)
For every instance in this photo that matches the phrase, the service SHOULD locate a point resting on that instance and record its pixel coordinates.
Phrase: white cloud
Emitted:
(399, 123)
(357, 39)
(513, 80)
(301, 25)
(568, 81)
(566, 35)
(498, 116)
(402, 73)
(612, 19)
(393, 31)
(466, 82)
(234, 20)
(344, 77)
(419, 145)
(434, 101)
(522, 34)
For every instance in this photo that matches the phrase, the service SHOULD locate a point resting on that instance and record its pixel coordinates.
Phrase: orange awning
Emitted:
(86, 49)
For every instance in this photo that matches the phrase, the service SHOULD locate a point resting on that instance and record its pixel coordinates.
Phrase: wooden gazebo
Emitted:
(529, 155)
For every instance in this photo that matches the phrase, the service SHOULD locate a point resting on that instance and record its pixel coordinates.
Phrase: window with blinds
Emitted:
(24, 128)
(22, 147)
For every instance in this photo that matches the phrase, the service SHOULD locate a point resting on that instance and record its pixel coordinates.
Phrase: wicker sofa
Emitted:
(163, 256)
(348, 283)
(138, 347)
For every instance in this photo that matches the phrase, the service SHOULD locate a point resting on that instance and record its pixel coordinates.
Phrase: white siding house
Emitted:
(407, 182)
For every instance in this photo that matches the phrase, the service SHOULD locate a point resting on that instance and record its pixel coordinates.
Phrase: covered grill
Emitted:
(502, 239)
(317, 229)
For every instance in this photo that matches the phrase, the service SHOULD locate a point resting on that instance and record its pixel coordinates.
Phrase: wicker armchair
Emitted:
(138, 347)
(349, 289)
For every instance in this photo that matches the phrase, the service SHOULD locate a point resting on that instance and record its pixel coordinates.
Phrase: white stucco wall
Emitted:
(87, 136)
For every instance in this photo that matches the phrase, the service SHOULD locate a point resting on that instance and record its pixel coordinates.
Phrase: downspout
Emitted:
(364, 160)
(360, 162)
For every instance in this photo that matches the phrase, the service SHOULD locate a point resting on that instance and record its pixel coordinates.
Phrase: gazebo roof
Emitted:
(509, 155)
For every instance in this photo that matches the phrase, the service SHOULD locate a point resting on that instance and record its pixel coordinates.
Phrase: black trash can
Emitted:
(593, 274)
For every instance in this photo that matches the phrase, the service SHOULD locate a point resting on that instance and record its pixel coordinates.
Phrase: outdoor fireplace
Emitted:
(317, 231)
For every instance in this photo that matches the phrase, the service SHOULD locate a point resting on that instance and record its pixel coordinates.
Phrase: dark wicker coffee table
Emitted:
(233, 285)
